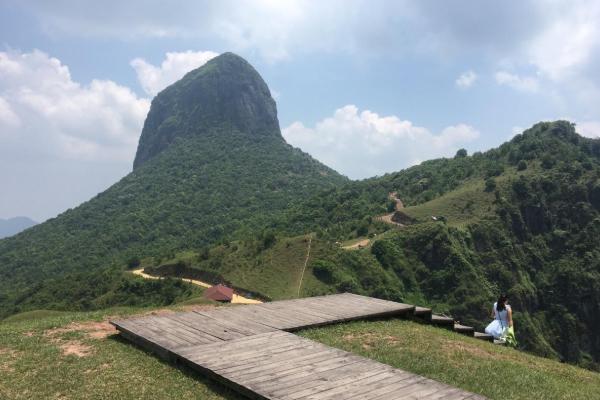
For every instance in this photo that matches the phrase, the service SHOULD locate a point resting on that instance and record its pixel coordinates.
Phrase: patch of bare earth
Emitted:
(369, 340)
(7, 359)
(357, 245)
(76, 348)
(459, 347)
(92, 329)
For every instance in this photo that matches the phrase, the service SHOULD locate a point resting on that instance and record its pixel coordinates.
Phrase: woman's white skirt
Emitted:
(495, 329)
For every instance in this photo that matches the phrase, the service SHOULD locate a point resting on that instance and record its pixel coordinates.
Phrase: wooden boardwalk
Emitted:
(250, 349)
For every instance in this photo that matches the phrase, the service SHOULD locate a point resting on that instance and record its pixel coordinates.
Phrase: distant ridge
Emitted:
(12, 226)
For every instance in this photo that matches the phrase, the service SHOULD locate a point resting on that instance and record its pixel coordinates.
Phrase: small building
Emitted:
(219, 293)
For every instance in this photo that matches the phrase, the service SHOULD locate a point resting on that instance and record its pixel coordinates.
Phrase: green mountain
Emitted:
(211, 161)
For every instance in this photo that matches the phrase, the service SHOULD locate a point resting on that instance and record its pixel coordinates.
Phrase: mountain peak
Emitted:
(225, 94)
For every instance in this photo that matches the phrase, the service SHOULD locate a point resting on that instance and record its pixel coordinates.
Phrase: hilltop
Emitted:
(94, 360)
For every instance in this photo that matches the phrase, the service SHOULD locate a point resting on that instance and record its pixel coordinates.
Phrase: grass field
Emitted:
(79, 356)
(467, 204)
(493, 371)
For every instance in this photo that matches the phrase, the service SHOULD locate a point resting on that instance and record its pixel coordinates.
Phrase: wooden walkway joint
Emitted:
(252, 350)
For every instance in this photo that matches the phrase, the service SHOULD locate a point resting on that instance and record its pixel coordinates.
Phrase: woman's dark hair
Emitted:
(501, 304)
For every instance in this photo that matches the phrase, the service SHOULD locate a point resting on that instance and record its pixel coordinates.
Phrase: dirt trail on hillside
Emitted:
(357, 245)
(387, 218)
(237, 299)
(305, 263)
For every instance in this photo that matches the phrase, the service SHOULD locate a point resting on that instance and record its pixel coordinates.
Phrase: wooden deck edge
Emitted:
(144, 343)
(406, 311)
(207, 372)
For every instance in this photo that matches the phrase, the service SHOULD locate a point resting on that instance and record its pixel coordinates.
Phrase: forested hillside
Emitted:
(522, 219)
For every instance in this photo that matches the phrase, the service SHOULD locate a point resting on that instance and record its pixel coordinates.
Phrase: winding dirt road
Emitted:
(235, 299)
(387, 218)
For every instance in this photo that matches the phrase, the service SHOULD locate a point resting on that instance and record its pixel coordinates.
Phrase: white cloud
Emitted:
(363, 144)
(524, 84)
(466, 79)
(7, 115)
(590, 129)
(175, 65)
(62, 118)
(569, 39)
(51, 123)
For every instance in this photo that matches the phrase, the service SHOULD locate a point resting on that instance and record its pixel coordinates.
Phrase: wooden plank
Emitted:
(484, 336)
(305, 386)
(464, 330)
(247, 349)
(440, 320)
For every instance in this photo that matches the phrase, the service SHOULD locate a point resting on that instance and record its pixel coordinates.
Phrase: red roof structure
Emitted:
(219, 293)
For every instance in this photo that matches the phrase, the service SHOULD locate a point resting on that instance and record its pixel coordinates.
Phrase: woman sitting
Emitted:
(501, 328)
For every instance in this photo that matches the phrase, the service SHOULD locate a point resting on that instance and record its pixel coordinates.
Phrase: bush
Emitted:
(522, 165)
(490, 184)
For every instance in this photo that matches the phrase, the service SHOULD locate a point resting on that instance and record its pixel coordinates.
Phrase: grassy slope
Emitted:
(274, 272)
(30, 348)
(468, 203)
(33, 366)
(471, 364)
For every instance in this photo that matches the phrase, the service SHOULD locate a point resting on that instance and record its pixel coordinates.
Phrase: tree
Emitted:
(462, 153)
(522, 165)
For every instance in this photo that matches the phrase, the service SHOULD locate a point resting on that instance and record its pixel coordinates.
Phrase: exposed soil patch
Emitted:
(392, 218)
(357, 245)
(368, 340)
(456, 346)
(76, 348)
(93, 329)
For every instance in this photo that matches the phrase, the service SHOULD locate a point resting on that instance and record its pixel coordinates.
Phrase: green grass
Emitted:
(33, 315)
(33, 366)
(493, 371)
(275, 271)
(468, 203)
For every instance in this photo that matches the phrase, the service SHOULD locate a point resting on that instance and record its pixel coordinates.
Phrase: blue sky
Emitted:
(366, 87)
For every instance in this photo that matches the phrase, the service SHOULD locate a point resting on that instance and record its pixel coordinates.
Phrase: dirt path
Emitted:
(387, 218)
(399, 205)
(235, 299)
(305, 263)
(357, 245)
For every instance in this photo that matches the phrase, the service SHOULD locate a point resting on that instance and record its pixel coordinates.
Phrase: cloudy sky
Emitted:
(367, 87)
